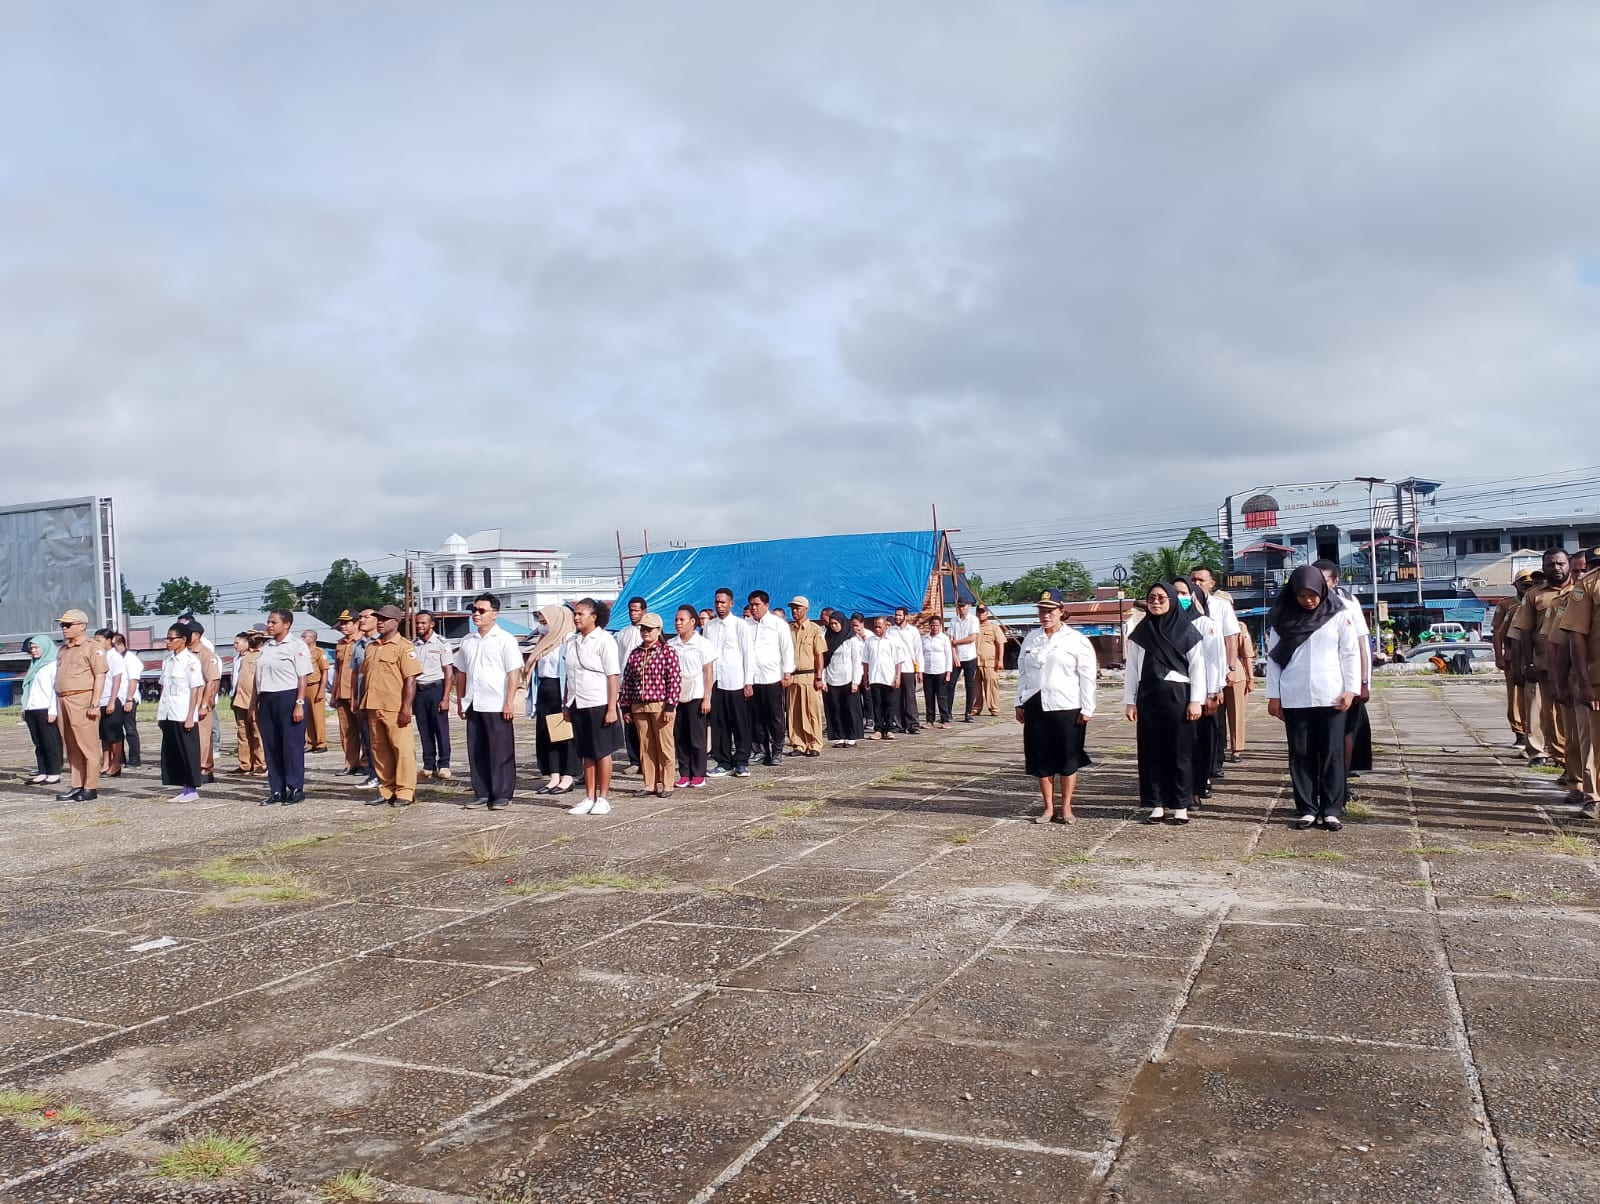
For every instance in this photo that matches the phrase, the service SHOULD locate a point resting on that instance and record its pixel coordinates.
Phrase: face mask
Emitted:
(1185, 601)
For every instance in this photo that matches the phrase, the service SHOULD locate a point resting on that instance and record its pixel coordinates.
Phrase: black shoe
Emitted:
(1233, 758)
(1203, 792)
(1332, 823)
(208, 779)
(1219, 775)
(75, 795)
(297, 795)
(777, 759)
(376, 802)
(966, 719)
(272, 800)
(88, 796)
(477, 802)
(499, 804)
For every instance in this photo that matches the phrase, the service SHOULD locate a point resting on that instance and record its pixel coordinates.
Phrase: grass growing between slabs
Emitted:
(210, 1156)
(349, 1187)
(593, 880)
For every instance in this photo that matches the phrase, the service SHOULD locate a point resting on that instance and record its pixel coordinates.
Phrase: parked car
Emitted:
(1444, 632)
(1476, 655)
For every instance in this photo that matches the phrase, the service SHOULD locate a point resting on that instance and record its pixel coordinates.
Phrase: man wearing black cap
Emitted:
(392, 667)
(280, 707)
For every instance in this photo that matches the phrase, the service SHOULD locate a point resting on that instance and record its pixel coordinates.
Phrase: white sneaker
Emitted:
(1155, 814)
(444, 774)
(583, 808)
(601, 807)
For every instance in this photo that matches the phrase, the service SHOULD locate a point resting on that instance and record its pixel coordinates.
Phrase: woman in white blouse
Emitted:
(1193, 602)
(842, 673)
(1056, 674)
(39, 709)
(938, 684)
(1164, 694)
(182, 685)
(1313, 675)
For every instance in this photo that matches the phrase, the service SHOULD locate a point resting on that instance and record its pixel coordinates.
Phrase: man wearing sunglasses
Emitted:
(488, 674)
(80, 678)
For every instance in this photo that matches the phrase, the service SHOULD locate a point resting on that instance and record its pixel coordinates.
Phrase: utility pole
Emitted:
(1372, 545)
(1416, 538)
(411, 629)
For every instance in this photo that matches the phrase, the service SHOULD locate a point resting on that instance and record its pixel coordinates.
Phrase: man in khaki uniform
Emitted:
(1241, 681)
(1581, 622)
(390, 687)
(252, 756)
(344, 695)
(1530, 630)
(1580, 775)
(1517, 695)
(316, 696)
(991, 660)
(804, 694)
(80, 678)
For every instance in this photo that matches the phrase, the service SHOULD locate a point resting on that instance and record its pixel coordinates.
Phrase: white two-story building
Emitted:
(524, 579)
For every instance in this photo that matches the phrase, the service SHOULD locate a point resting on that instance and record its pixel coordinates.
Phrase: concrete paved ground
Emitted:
(856, 978)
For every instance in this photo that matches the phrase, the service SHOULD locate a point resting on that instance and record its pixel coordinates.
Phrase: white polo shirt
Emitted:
(694, 654)
(591, 660)
(936, 658)
(114, 685)
(180, 678)
(133, 670)
(731, 639)
(771, 649)
(283, 663)
(884, 654)
(960, 629)
(486, 659)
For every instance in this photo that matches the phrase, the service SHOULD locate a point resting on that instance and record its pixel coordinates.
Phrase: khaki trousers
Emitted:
(208, 762)
(1234, 699)
(658, 756)
(1551, 740)
(1580, 749)
(252, 755)
(988, 690)
(81, 737)
(394, 755)
(349, 734)
(316, 719)
(804, 705)
(1517, 706)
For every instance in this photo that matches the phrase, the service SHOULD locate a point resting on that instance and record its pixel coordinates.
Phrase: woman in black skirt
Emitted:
(39, 709)
(1056, 674)
(1164, 694)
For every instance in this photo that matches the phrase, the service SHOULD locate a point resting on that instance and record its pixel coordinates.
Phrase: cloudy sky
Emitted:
(292, 281)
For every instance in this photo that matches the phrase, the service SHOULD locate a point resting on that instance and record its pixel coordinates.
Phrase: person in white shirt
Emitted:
(771, 664)
(628, 639)
(964, 639)
(546, 670)
(1192, 601)
(1220, 608)
(1313, 675)
(938, 674)
(132, 673)
(110, 703)
(697, 662)
(1164, 695)
(884, 654)
(488, 668)
(182, 688)
(1357, 725)
(594, 679)
(729, 635)
(841, 680)
(909, 640)
(39, 709)
(280, 706)
(1056, 673)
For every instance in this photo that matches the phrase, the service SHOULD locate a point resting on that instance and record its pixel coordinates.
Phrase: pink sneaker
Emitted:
(696, 783)
(681, 783)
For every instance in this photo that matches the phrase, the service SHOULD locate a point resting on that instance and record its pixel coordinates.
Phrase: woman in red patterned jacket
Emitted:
(649, 700)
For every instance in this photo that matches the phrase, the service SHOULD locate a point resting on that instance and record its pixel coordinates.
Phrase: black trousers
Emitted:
(46, 741)
(130, 735)
(968, 671)
(1219, 740)
(908, 703)
(843, 708)
(491, 755)
(630, 740)
(1207, 730)
(433, 725)
(690, 734)
(769, 727)
(283, 740)
(1166, 744)
(556, 758)
(730, 728)
(1316, 759)
(180, 754)
(885, 702)
(938, 696)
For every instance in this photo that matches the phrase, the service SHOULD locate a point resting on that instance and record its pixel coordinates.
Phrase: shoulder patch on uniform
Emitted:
(412, 654)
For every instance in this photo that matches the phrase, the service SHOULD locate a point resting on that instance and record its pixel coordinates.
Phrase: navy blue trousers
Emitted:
(283, 739)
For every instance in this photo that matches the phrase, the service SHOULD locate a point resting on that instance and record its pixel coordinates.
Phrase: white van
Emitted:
(1447, 632)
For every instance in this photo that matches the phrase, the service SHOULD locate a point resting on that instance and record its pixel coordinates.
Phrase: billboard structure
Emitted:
(56, 556)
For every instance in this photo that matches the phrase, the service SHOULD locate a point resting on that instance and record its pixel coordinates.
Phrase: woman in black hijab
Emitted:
(1164, 693)
(1313, 675)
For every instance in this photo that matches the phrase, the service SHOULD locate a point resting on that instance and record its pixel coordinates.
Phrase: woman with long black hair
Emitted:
(1196, 606)
(1163, 694)
(1313, 675)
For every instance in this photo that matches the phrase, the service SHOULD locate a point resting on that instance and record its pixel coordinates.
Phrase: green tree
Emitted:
(179, 593)
(1068, 576)
(1164, 563)
(130, 604)
(350, 587)
(279, 595)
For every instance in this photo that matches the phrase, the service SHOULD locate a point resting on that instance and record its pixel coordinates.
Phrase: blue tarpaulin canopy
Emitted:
(870, 573)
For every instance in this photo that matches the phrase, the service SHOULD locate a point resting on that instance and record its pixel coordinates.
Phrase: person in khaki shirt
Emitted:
(1581, 622)
(1241, 681)
(804, 692)
(1517, 697)
(316, 696)
(1583, 788)
(991, 660)
(1530, 632)
(391, 670)
(80, 680)
(344, 696)
(252, 755)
